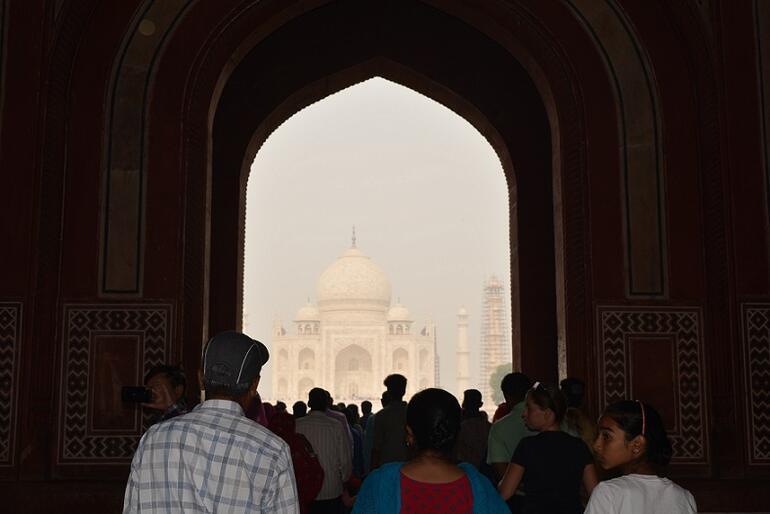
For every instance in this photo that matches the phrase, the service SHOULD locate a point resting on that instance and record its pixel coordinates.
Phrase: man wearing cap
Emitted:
(214, 458)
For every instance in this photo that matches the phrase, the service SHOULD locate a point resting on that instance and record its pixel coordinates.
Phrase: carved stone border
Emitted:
(153, 324)
(616, 325)
(755, 321)
(10, 339)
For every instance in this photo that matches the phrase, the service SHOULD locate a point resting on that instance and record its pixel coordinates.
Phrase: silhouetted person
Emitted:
(332, 412)
(366, 411)
(307, 468)
(389, 444)
(299, 409)
(332, 448)
(474, 430)
(369, 433)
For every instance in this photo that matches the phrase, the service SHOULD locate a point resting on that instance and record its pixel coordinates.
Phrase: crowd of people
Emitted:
(540, 453)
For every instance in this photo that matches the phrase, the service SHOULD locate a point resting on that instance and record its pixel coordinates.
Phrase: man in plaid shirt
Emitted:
(214, 459)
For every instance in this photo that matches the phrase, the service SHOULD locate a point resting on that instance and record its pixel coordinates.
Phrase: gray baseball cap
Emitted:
(233, 359)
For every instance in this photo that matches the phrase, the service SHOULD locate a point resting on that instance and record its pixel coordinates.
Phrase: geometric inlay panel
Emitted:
(10, 333)
(756, 340)
(620, 327)
(146, 327)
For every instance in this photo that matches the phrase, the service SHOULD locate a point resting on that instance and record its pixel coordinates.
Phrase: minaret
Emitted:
(463, 353)
(495, 345)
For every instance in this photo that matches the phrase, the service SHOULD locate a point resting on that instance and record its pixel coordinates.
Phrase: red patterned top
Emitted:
(421, 497)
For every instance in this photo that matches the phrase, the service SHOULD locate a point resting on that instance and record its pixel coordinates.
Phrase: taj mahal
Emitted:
(351, 338)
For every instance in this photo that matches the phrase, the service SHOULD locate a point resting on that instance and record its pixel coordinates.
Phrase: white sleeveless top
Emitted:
(640, 494)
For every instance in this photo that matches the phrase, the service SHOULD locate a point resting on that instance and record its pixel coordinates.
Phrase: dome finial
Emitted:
(354, 237)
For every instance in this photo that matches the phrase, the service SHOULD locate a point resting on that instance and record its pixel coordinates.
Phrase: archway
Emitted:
(303, 388)
(353, 377)
(306, 359)
(179, 159)
(400, 361)
(283, 360)
(521, 137)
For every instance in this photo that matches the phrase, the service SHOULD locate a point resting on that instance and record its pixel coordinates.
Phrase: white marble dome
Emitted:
(308, 312)
(353, 277)
(398, 313)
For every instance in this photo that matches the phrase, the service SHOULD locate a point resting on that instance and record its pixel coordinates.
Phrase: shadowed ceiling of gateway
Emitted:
(643, 238)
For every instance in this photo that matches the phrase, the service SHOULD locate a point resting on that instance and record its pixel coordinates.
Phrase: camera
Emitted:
(136, 394)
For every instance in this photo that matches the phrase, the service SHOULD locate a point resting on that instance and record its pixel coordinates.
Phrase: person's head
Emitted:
(341, 406)
(573, 390)
(631, 433)
(366, 407)
(514, 387)
(472, 400)
(351, 415)
(232, 363)
(318, 399)
(280, 406)
(385, 399)
(396, 386)
(353, 407)
(545, 407)
(299, 409)
(170, 377)
(433, 421)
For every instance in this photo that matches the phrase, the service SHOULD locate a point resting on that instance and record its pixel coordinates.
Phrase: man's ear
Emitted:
(178, 391)
(253, 386)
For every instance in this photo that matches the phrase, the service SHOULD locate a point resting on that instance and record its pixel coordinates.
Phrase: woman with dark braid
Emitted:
(431, 482)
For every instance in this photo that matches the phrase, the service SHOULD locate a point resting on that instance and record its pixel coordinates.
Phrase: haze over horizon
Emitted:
(425, 191)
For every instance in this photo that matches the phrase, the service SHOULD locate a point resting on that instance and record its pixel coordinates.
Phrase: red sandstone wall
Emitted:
(57, 65)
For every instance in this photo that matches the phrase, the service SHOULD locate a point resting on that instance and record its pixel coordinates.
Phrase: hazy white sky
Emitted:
(424, 189)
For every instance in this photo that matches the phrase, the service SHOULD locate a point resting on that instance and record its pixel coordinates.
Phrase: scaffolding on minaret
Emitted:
(495, 344)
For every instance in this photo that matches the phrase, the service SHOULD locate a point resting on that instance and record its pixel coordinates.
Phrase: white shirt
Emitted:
(213, 459)
(331, 445)
(640, 494)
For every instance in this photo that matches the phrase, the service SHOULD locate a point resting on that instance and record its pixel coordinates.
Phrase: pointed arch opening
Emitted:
(505, 106)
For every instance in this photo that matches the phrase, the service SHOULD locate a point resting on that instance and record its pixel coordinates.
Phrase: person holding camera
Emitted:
(214, 458)
(166, 386)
